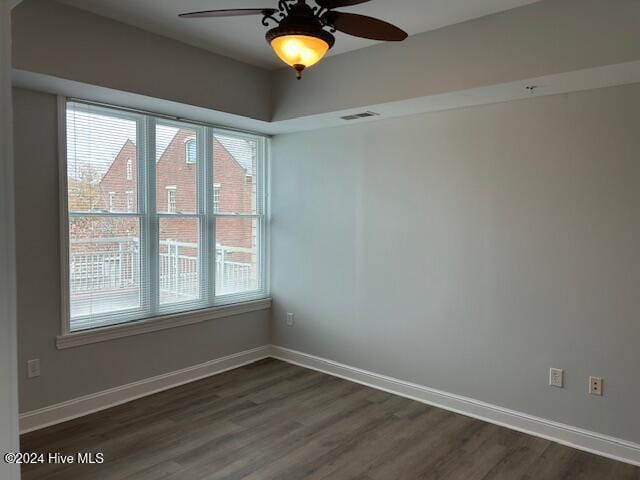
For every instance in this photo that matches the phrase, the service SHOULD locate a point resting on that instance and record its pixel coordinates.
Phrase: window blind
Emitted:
(163, 216)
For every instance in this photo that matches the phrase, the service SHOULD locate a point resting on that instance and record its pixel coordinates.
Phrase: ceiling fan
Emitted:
(303, 33)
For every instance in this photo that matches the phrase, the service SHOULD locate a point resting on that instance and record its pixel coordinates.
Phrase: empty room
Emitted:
(320, 240)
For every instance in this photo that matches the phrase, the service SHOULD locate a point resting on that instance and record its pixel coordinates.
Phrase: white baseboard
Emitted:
(581, 439)
(578, 438)
(94, 402)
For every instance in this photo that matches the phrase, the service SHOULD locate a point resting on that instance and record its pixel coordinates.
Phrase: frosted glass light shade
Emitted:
(299, 49)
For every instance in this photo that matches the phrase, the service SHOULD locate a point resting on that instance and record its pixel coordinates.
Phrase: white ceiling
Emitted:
(242, 38)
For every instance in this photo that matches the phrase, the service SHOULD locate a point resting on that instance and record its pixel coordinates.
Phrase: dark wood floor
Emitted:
(271, 420)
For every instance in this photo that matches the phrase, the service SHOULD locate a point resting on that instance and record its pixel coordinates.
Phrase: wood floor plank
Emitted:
(327, 441)
(275, 421)
(503, 456)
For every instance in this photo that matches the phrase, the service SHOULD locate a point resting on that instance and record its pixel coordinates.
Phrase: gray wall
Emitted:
(471, 250)
(66, 42)
(543, 38)
(79, 371)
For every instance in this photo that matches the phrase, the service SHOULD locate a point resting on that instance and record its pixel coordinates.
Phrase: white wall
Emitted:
(8, 377)
(471, 250)
(74, 372)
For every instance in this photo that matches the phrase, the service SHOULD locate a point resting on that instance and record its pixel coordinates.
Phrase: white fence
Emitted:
(107, 264)
(179, 278)
(103, 264)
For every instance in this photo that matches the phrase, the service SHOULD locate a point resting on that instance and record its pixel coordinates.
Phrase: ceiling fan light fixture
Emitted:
(300, 51)
(303, 34)
(300, 39)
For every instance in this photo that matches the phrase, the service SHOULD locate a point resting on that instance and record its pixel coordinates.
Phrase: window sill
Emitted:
(155, 324)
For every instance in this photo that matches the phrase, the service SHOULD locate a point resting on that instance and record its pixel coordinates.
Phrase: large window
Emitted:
(155, 228)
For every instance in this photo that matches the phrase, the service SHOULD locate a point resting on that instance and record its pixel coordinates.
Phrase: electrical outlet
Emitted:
(556, 377)
(595, 386)
(290, 319)
(33, 368)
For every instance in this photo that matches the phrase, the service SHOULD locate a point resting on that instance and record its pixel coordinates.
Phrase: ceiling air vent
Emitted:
(357, 116)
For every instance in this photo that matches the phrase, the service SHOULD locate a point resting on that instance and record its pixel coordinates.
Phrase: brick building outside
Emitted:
(176, 189)
(113, 262)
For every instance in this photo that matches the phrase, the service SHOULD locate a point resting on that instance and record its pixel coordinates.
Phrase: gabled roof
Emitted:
(126, 144)
(240, 149)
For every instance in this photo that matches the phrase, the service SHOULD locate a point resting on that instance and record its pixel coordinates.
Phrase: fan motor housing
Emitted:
(301, 20)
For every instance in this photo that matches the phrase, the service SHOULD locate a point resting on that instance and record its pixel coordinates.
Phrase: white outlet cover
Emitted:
(556, 377)
(33, 368)
(595, 386)
(290, 319)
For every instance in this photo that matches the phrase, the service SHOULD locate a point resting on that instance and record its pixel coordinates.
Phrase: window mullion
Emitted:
(201, 193)
(210, 219)
(262, 200)
(151, 216)
(143, 224)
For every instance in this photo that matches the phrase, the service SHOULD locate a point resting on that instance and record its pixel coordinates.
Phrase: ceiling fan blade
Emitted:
(365, 27)
(331, 4)
(232, 12)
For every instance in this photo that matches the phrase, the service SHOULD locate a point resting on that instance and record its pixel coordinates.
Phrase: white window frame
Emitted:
(172, 199)
(129, 200)
(129, 169)
(156, 317)
(112, 202)
(216, 197)
(187, 142)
